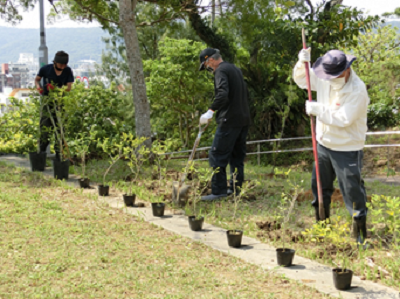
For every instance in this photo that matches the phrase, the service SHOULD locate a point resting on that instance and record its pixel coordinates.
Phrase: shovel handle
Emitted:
(202, 128)
(314, 140)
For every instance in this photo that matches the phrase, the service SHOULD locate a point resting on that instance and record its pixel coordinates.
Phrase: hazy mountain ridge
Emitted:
(79, 43)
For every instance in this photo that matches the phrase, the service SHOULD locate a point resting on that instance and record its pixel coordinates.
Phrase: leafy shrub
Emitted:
(381, 116)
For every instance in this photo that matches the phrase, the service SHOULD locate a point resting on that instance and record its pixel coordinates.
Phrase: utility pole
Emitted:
(43, 52)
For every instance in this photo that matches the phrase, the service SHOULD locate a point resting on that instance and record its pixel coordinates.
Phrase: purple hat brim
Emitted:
(202, 66)
(319, 69)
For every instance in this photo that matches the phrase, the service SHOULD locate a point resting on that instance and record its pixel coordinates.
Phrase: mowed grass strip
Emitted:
(57, 242)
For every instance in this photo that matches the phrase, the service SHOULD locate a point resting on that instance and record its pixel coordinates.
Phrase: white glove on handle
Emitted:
(205, 118)
(314, 108)
(305, 55)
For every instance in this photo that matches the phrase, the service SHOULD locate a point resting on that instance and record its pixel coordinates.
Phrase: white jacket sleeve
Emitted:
(299, 76)
(346, 114)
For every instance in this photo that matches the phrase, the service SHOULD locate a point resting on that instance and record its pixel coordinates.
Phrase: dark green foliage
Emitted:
(102, 112)
(382, 116)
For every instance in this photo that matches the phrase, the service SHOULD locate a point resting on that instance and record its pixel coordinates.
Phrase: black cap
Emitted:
(61, 57)
(204, 55)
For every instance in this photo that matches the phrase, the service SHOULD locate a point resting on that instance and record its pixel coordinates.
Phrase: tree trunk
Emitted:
(127, 22)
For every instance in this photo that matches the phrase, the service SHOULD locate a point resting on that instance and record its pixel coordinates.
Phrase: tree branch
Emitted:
(87, 9)
(311, 6)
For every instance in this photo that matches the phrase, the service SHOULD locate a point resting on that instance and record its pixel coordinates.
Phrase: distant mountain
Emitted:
(79, 43)
(394, 24)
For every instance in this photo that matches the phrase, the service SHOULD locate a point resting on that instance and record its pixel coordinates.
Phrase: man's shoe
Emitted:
(212, 197)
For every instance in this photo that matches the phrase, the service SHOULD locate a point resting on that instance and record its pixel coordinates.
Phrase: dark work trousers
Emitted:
(346, 166)
(229, 147)
(46, 128)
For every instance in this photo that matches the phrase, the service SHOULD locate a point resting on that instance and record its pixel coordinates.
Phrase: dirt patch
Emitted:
(336, 197)
(268, 225)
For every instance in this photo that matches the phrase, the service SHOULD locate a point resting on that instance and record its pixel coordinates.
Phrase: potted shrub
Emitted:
(81, 148)
(335, 234)
(285, 255)
(38, 159)
(61, 165)
(203, 175)
(235, 235)
(157, 206)
(135, 154)
(338, 235)
(114, 149)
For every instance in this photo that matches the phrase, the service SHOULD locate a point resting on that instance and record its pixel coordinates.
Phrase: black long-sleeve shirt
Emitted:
(231, 97)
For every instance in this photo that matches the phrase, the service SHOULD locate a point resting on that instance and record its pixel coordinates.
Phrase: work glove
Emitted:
(205, 118)
(40, 90)
(314, 108)
(305, 55)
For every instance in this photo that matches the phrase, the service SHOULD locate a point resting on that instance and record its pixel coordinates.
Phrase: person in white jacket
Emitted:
(341, 111)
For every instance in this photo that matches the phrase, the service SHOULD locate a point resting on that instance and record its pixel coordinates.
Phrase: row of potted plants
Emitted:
(132, 151)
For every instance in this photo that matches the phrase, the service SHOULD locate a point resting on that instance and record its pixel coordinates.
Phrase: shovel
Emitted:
(314, 141)
(179, 189)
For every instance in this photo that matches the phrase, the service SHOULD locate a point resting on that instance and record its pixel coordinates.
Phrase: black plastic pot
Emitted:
(129, 200)
(38, 161)
(61, 169)
(285, 256)
(342, 279)
(84, 183)
(158, 208)
(104, 190)
(195, 224)
(234, 238)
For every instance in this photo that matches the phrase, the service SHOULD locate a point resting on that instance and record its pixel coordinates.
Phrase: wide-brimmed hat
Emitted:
(204, 55)
(332, 64)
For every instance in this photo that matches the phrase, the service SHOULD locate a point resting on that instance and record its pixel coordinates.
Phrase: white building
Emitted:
(18, 93)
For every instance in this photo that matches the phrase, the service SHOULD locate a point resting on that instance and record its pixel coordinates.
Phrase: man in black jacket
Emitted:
(233, 119)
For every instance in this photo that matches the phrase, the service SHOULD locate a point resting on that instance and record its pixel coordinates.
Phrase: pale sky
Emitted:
(372, 7)
(31, 18)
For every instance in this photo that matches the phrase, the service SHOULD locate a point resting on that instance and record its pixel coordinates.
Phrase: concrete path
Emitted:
(304, 270)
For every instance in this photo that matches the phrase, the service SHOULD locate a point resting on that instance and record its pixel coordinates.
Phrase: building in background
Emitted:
(84, 68)
(18, 93)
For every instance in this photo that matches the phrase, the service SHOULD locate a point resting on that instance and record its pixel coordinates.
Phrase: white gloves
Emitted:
(305, 55)
(205, 118)
(314, 108)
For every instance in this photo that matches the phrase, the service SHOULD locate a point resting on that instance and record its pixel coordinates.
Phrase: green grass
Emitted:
(62, 242)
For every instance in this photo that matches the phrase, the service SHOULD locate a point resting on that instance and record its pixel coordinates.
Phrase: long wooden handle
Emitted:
(314, 140)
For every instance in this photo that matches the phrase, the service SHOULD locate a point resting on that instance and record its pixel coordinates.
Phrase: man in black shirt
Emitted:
(56, 74)
(233, 119)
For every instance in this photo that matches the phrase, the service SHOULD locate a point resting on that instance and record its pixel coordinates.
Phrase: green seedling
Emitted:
(80, 146)
(135, 154)
(114, 149)
(288, 201)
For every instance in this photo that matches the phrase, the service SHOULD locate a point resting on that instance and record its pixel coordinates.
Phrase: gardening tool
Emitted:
(179, 189)
(314, 141)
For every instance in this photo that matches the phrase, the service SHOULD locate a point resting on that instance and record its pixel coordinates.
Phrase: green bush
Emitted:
(102, 111)
(381, 116)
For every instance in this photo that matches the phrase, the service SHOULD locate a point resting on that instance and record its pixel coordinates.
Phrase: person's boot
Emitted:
(360, 230)
(327, 213)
